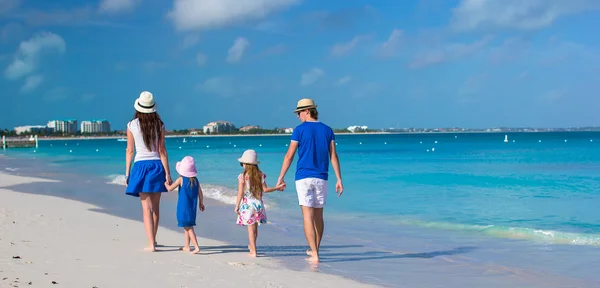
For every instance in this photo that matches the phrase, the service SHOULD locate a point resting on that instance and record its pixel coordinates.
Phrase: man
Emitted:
(315, 143)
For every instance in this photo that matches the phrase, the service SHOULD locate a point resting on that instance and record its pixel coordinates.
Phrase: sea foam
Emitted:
(216, 192)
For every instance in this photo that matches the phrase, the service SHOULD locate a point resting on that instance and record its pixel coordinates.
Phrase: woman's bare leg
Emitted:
(147, 213)
(155, 198)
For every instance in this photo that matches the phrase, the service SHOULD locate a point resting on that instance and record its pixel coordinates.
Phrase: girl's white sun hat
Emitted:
(249, 157)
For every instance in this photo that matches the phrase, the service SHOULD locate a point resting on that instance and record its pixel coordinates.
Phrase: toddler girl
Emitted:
(250, 208)
(190, 195)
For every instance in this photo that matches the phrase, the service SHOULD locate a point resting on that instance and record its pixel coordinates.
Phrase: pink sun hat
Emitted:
(186, 167)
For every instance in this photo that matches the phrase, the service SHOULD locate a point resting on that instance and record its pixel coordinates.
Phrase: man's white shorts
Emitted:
(312, 192)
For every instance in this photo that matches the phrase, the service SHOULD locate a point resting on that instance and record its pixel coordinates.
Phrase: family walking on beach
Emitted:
(147, 175)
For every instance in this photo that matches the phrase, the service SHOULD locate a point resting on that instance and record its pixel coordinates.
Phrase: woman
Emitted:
(146, 136)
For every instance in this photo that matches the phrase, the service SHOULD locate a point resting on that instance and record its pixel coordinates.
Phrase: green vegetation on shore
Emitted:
(182, 132)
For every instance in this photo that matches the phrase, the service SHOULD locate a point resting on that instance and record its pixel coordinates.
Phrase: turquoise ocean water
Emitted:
(538, 188)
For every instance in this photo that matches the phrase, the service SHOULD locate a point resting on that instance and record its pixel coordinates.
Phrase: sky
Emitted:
(383, 64)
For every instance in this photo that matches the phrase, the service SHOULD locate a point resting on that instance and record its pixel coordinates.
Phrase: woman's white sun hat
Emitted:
(145, 103)
(249, 157)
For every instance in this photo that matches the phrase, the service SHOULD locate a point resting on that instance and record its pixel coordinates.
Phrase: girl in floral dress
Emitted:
(250, 208)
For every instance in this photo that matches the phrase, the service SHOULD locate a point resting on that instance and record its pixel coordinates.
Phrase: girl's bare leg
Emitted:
(252, 234)
(147, 212)
(155, 199)
(192, 235)
(186, 234)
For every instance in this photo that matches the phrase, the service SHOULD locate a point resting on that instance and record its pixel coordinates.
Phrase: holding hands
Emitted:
(280, 184)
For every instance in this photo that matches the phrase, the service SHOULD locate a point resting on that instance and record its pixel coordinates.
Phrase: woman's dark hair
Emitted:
(152, 128)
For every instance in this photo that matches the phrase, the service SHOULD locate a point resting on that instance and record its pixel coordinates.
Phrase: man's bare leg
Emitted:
(319, 228)
(310, 233)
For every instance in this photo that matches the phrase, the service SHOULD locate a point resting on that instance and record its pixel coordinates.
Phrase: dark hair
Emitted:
(314, 113)
(152, 128)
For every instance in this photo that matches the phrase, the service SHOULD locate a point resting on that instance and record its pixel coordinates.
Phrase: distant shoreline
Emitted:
(288, 135)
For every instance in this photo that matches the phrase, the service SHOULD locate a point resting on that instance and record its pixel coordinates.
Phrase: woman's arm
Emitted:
(129, 152)
(240, 194)
(164, 158)
(171, 187)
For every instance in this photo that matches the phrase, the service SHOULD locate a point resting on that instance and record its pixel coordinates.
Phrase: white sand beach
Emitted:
(46, 240)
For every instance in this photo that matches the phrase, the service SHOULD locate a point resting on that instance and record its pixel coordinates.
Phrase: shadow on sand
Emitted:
(326, 255)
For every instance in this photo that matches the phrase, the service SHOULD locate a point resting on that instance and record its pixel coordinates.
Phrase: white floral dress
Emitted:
(251, 210)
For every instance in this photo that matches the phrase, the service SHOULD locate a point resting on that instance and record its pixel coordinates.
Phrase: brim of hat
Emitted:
(185, 173)
(304, 108)
(140, 109)
(246, 162)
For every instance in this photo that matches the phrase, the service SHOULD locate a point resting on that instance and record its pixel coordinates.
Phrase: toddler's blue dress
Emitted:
(187, 203)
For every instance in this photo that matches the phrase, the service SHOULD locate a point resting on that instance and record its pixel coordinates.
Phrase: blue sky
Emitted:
(410, 63)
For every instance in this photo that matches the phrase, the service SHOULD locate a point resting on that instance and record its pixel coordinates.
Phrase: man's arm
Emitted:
(287, 161)
(335, 162)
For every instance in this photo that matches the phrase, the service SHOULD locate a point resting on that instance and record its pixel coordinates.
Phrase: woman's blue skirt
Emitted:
(147, 176)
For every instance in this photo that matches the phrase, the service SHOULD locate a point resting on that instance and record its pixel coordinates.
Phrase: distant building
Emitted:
(66, 126)
(95, 126)
(33, 129)
(357, 128)
(218, 127)
(194, 132)
(285, 130)
(249, 128)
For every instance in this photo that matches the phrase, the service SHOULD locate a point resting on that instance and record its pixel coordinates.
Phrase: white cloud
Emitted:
(29, 53)
(236, 51)
(32, 83)
(515, 14)
(389, 47)
(311, 76)
(205, 14)
(219, 86)
(343, 81)
(201, 59)
(341, 49)
(448, 52)
(118, 6)
(190, 41)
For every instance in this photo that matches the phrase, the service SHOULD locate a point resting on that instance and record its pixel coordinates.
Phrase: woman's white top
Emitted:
(141, 152)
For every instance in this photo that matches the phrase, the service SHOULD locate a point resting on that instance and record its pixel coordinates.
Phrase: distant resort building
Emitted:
(194, 132)
(33, 129)
(249, 128)
(218, 127)
(285, 130)
(95, 126)
(355, 129)
(66, 126)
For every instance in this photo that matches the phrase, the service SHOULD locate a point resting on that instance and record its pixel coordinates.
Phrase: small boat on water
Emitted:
(121, 139)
